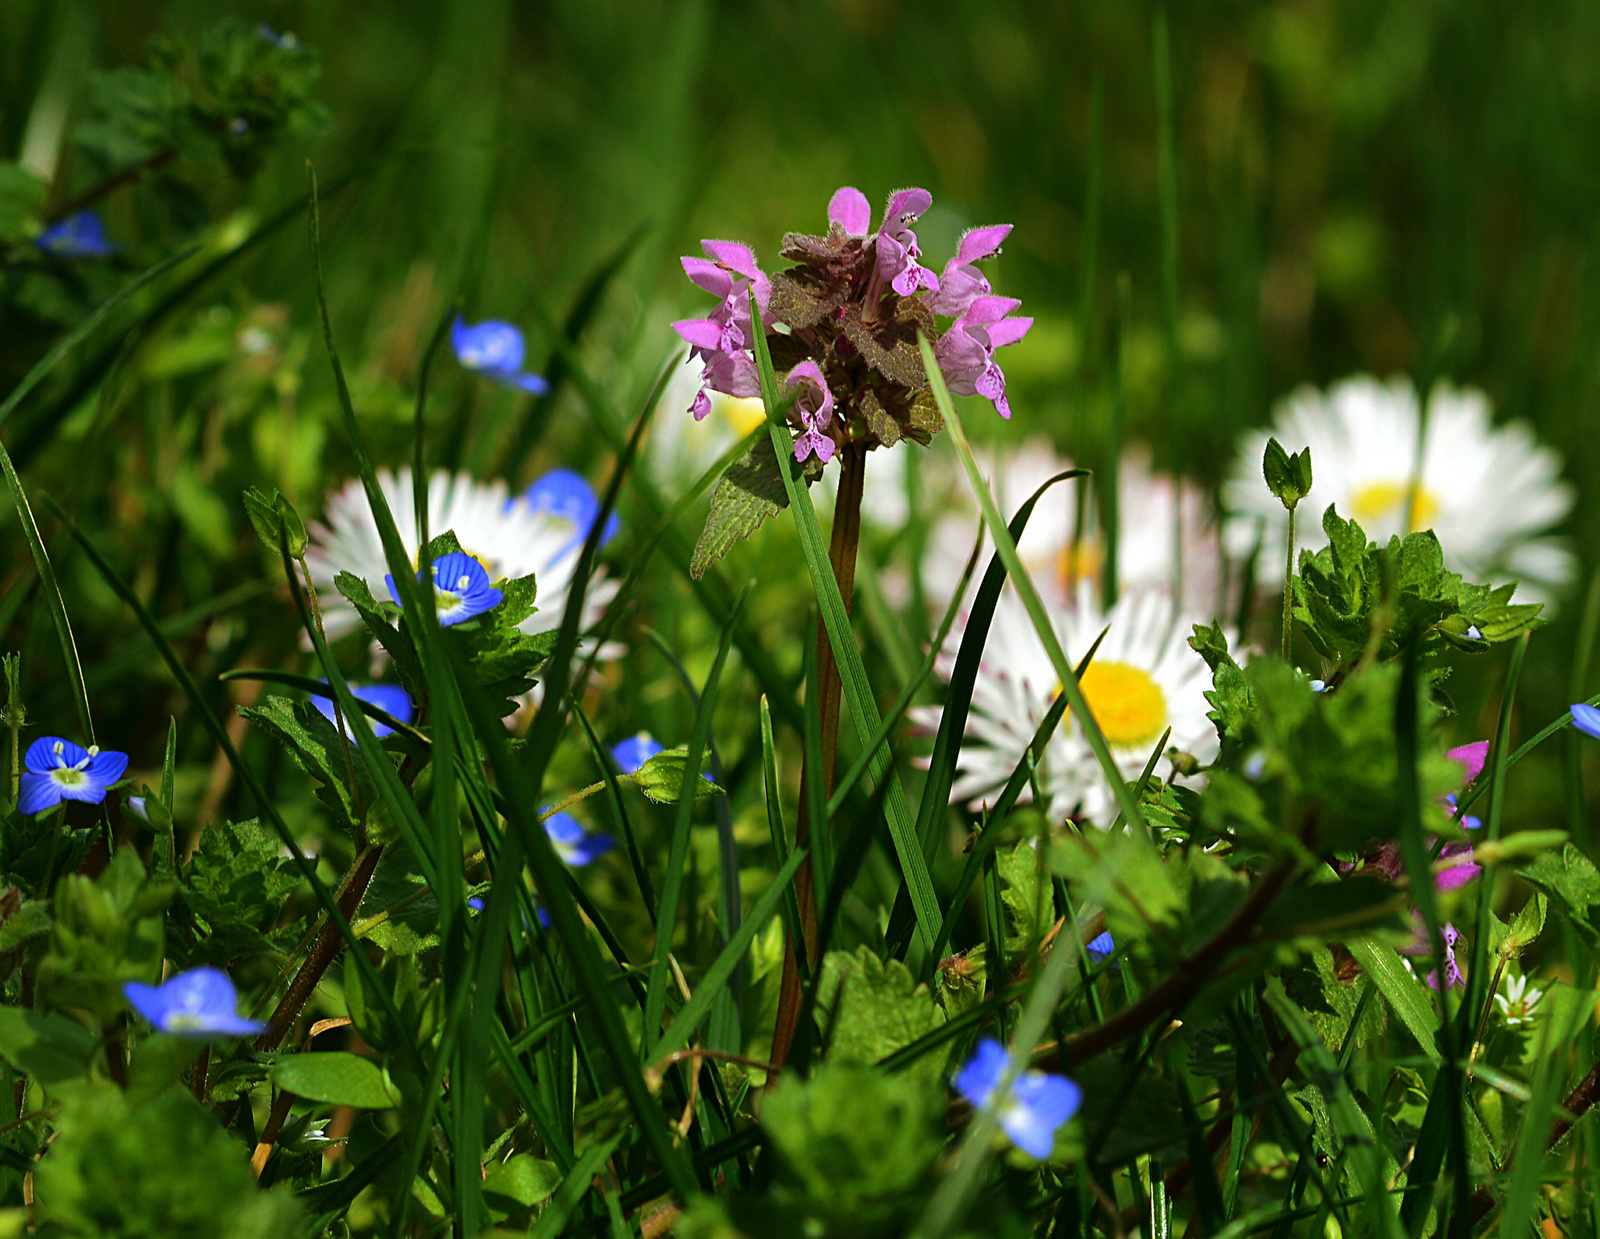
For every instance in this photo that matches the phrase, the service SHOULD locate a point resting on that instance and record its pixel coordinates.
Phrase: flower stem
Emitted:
(338, 713)
(843, 541)
(1288, 593)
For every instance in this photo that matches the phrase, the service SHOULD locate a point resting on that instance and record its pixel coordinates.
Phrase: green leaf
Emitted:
(1402, 990)
(337, 1078)
(47, 1046)
(1331, 999)
(868, 1009)
(314, 745)
(520, 1182)
(233, 888)
(396, 644)
(661, 778)
(271, 513)
(1288, 477)
(750, 492)
(1026, 891)
(1571, 882)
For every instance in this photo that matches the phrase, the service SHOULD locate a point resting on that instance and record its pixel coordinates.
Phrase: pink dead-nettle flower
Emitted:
(842, 324)
(814, 404)
(966, 351)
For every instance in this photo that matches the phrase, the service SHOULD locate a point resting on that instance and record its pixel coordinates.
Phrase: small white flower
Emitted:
(1144, 679)
(1518, 1003)
(1489, 493)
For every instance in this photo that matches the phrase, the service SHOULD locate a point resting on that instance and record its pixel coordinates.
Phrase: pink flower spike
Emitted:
(850, 209)
(1471, 758)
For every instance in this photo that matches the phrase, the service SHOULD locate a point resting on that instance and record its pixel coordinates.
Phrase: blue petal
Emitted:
(561, 492)
(588, 850)
(1585, 718)
(977, 1080)
(38, 791)
(77, 236)
(1103, 945)
(1042, 1103)
(528, 382)
(633, 752)
(150, 1001)
(390, 698)
(563, 828)
(106, 767)
(42, 756)
(491, 346)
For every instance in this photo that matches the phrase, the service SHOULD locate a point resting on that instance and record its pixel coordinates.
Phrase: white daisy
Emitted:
(540, 533)
(1144, 679)
(1166, 538)
(1489, 493)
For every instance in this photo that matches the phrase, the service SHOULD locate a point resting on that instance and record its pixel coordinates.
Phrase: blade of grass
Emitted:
(671, 887)
(1006, 548)
(841, 638)
(624, 823)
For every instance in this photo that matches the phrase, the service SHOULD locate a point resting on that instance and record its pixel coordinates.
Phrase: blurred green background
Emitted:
(1394, 186)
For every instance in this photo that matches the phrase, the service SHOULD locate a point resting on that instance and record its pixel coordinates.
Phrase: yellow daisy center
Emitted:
(1384, 500)
(1126, 701)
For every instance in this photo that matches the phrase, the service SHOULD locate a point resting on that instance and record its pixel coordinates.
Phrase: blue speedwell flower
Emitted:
(573, 844)
(1102, 946)
(563, 493)
(461, 588)
(77, 236)
(1038, 1105)
(494, 349)
(57, 770)
(390, 698)
(197, 1003)
(1586, 719)
(633, 752)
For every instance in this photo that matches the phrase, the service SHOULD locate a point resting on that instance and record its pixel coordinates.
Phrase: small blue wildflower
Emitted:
(633, 752)
(495, 350)
(461, 588)
(1473, 634)
(77, 236)
(57, 770)
(1102, 946)
(390, 698)
(286, 42)
(475, 903)
(198, 1003)
(563, 493)
(1586, 719)
(134, 806)
(1037, 1107)
(573, 844)
(1319, 686)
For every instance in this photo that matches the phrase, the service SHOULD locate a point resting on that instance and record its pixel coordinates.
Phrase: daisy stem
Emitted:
(1288, 593)
(338, 713)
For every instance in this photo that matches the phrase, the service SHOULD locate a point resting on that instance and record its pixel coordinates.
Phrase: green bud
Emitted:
(1288, 476)
(272, 515)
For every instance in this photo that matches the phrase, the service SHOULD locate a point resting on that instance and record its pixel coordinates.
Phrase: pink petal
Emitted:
(986, 310)
(981, 242)
(806, 372)
(703, 333)
(1008, 331)
(733, 255)
(701, 405)
(707, 275)
(912, 202)
(1471, 758)
(850, 209)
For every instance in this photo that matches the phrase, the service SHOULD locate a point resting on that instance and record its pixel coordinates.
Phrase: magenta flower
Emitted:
(898, 250)
(815, 407)
(850, 209)
(962, 283)
(731, 273)
(966, 351)
(1422, 946)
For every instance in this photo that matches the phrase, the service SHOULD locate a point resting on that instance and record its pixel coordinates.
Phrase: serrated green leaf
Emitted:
(1571, 882)
(868, 1009)
(661, 778)
(1026, 892)
(750, 492)
(233, 889)
(314, 746)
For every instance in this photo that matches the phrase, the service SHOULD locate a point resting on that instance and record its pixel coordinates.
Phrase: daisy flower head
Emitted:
(197, 1003)
(538, 534)
(1491, 494)
(1143, 679)
(495, 350)
(55, 770)
(1166, 539)
(573, 843)
(390, 698)
(1035, 1107)
(461, 589)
